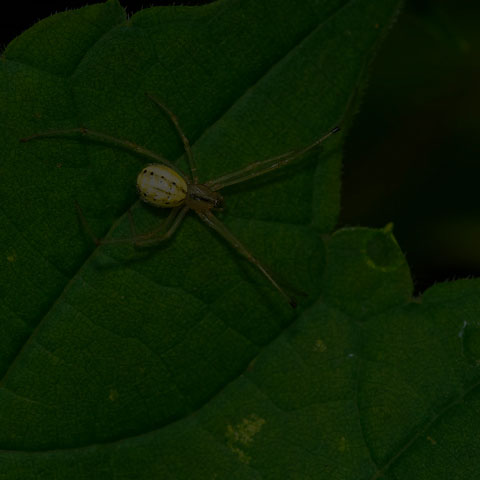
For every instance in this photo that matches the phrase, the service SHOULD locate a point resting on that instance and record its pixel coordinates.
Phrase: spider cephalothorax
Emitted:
(201, 197)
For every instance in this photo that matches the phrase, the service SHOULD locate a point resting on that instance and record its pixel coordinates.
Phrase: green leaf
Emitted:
(181, 361)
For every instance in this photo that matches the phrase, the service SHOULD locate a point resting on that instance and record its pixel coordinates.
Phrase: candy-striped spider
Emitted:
(164, 185)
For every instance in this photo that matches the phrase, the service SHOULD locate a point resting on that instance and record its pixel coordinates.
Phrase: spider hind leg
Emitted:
(212, 221)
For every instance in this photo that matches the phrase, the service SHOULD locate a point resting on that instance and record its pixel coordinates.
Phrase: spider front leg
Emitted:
(264, 166)
(212, 221)
(107, 139)
(186, 143)
(161, 233)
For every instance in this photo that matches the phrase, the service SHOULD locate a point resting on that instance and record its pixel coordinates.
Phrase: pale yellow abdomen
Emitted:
(161, 186)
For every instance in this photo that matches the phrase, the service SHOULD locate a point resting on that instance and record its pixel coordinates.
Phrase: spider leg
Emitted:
(259, 168)
(85, 224)
(212, 221)
(172, 222)
(161, 233)
(108, 139)
(186, 143)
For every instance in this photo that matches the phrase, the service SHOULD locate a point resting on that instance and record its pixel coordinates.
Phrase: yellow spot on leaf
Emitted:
(113, 395)
(242, 456)
(242, 434)
(11, 258)
(431, 440)
(320, 345)
(342, 444)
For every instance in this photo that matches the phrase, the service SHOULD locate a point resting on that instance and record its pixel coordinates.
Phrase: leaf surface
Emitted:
(181, 361)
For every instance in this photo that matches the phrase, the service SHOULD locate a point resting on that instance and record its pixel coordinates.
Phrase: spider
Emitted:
(162, 184)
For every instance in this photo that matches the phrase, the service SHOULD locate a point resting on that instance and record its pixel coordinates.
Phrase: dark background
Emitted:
(412, 156)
